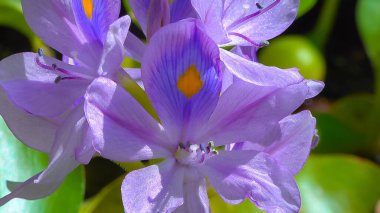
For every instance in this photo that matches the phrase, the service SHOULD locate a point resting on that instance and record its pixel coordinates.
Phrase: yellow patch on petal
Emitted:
(88, 7)
(190, 82)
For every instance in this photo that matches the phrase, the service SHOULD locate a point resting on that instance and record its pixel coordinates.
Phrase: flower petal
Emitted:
(123, 130)
(246, 112)
(156, 188)
(113, 50)
(181, 9)
(55, 24)
(181, 75)
(276, 16)
(151, 14)
(258, 74)
(211, 14)
(315, 87)
(61, 161)
(237, 175)
(35, 132)
(35, 89)
(292, 150)
(195, 195)
(134, 47)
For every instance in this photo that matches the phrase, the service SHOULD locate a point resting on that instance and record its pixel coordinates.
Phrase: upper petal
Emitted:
(33, 84)
(246, 18)
(181, 9)
(237, 175)
(181, 75)
(123, 130)
(95, 16)
(151, 14)
(58, 18)
(113, 49)
(258, 74)
(157, 188)
(211, 14)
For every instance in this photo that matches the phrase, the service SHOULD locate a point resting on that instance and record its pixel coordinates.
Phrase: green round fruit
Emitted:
(294, 51)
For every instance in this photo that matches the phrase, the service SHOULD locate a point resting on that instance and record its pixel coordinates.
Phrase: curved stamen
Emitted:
(253, 15)
(262, 44)
(64, 74)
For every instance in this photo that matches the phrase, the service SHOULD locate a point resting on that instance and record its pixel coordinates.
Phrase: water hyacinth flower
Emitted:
(181, 72)
(271, 20)
(41, 90)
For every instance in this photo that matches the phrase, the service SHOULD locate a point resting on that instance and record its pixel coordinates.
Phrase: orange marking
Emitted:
(190, 82)
(88, 7)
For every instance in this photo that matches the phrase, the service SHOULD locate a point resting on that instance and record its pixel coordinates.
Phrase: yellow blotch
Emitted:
(190, 82)
(88, 7)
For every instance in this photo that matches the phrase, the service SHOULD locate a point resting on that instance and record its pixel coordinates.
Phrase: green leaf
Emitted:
(18, 163)
(354, 110)
(336, 136)
(11, 16)
(368, 20)
(107, 200)
(346, 127)
(305, 6)
(339, 184)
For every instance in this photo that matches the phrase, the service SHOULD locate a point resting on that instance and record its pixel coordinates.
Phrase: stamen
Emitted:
(262, 44)
(58, 79)
(253, 15)
(258, 5)
(182, 146)
(68, 75)
(41, 52)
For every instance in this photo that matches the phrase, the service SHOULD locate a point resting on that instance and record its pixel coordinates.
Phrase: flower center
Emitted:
(195, 154)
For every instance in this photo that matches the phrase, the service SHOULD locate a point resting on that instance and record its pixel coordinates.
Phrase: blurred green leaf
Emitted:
(336, 136)
(354, 110)
(11, 16)
(339, 184)
(18, 163)
(368, 20)
(107, 200)
(305, 6)
(346, 127)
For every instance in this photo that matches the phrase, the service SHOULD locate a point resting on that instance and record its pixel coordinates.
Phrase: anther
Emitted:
(202, 147)
(210, 145)
(258, 5)
(54, 66)
(41, 52)
(58, 79)
(182, 146)
(264, 43)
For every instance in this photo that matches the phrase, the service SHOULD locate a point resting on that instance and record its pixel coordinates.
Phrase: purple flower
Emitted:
(181, 72)
(43, 97)
(265, 23)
